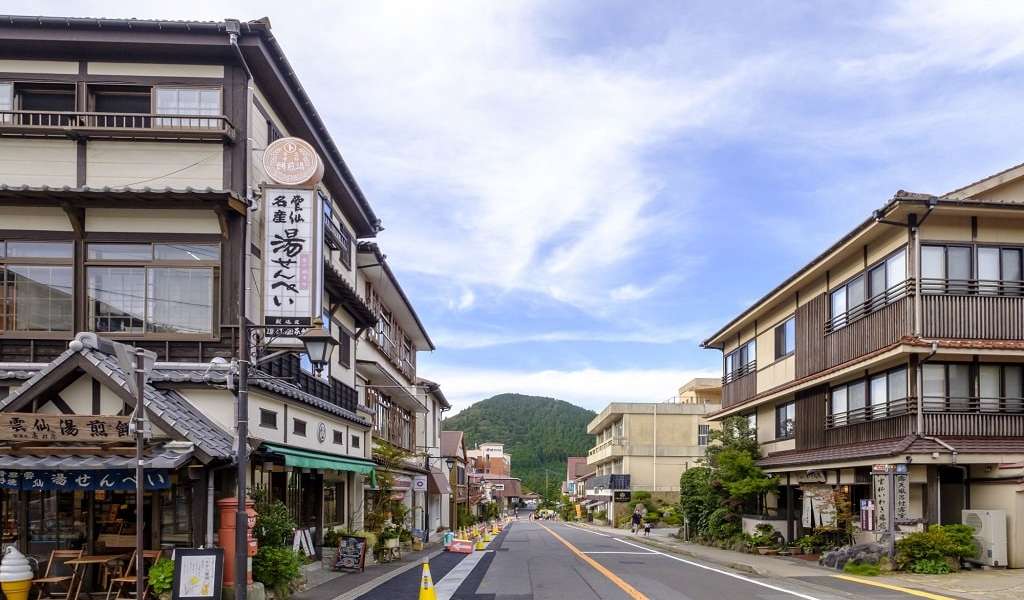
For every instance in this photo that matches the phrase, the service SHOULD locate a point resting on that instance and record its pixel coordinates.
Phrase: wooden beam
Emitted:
(76, 216)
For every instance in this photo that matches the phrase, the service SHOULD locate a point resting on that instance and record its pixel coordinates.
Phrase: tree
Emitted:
(714, 494)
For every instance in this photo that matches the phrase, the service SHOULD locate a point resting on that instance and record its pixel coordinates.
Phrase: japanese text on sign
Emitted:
(114, 479)
(63, 428)
(291, 267)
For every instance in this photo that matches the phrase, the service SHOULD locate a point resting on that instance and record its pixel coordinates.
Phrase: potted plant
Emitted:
(390, 536)
(764, 539)
(329, 551)
(161, 578)
(808, 544)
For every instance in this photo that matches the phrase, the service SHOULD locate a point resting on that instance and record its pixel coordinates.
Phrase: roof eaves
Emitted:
(373, 248)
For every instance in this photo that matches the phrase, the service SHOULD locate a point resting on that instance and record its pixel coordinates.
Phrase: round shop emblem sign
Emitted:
(291, 161)
(321, 433)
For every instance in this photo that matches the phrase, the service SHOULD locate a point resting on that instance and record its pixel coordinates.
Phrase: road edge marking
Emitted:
(723, 572)
(896, 588)
(631, 591)
(586, 530)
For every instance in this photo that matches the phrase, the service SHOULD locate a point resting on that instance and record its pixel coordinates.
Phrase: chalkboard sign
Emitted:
(351, 553)
(198, 574)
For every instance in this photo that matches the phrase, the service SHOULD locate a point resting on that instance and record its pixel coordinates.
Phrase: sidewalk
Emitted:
(342, 585)
(991, 584)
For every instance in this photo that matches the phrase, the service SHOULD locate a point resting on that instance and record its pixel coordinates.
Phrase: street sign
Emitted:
(419, 483)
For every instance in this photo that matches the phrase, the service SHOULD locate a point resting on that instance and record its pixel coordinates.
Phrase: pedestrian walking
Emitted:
(636, 519)
(647, 529)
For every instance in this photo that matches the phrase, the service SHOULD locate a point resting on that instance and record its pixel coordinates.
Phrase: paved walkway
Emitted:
(981, 584)
(347, 584)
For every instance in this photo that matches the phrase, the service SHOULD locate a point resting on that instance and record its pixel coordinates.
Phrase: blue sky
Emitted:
(576, 193)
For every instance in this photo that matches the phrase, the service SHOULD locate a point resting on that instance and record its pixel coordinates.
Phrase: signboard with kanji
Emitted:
(198, 573)
(91, 480)
(31, 427)
(291, 255)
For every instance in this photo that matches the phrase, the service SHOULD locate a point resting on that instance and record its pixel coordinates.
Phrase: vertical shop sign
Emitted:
(292, 268)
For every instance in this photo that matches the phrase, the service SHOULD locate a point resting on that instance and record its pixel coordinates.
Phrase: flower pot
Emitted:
(391, 543)
(796, 550)
(767, 550)
(417, 545)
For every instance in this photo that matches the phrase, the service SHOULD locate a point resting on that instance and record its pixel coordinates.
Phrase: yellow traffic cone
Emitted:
(427, 584)
(479, 545)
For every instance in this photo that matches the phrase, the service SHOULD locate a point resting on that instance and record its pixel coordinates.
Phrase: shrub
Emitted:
(765, 536)
(161, 576)
(601, 514)
(858, 568)
(277, 568)
(930, 566)
(274, 526)
(928, 548)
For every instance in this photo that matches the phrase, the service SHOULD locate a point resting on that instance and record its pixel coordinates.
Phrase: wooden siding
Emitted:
(973, 317)
(817, 351)
(876, 429)
(739, 389)
(810, 417)
(968, 424)
(810, 342)
(876, 330)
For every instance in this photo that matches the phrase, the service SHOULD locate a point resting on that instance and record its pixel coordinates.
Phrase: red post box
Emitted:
(226, 535)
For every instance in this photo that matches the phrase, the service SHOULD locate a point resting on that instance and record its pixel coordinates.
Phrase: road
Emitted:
(545, 560)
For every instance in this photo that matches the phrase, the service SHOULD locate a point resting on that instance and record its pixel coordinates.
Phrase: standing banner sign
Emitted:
(351, 553)
(292, 255)
(198, 574)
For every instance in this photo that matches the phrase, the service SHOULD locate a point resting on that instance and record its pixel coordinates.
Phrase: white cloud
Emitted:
(465, 301)
(589, 388)
(463, 339)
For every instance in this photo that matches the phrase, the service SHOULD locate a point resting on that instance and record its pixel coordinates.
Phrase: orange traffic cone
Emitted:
(427, 584)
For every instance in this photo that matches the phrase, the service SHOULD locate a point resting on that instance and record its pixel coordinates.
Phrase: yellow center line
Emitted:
(630, 590)
(896, 588)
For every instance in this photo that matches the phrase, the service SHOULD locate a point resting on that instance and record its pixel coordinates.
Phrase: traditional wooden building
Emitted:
(901, 345)
(132, 209)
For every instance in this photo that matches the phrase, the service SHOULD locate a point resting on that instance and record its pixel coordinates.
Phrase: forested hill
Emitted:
(539, 433)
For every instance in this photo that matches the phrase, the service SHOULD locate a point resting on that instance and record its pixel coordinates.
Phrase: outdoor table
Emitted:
(84, 562)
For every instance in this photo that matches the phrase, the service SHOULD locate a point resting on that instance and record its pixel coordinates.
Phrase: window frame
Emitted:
(68, 262)
(213, 265)
(789, 432)
(873, 300)
(781, 332)
(295, 427)
(703, 434)
(870, 411)
(265, 422)
(742, 363)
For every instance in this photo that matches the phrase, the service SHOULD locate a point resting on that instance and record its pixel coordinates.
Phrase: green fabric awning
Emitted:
(311, 459)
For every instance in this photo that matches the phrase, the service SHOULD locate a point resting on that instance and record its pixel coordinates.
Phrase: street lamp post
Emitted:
(318, 344)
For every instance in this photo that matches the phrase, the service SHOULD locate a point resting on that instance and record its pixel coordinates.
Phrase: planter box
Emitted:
(391, 543)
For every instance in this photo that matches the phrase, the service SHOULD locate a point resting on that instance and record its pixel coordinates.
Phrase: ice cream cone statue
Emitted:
(15, 575)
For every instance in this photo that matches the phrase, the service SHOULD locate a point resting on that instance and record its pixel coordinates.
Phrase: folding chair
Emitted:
(57, 574)
(125, 584)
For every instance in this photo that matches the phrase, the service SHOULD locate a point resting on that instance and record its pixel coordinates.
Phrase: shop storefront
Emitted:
(67, 461)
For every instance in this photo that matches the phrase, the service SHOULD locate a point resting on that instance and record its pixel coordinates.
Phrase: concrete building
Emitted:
(490, 458)
(652, 442)
(899, 346)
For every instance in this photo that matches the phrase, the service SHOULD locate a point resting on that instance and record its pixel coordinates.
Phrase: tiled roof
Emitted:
(19, 372)
(167, 406)
(163, 457)
(886, 447)
(204, 375)
(910, 444)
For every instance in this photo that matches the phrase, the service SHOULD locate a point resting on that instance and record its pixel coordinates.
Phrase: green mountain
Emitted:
(539, 433)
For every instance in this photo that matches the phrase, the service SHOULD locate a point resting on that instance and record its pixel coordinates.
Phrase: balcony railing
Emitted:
(973, 405)
(115, 125)
(972, 287)
(869, 306)
(871, 413)
(739, 372)
(613, 441)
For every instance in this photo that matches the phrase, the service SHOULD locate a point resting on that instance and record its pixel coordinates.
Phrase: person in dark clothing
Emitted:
(636, 520)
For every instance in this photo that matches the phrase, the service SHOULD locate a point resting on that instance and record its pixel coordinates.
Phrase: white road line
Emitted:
(578, 528)
(721, 572)
(449, 584)
(613, 552)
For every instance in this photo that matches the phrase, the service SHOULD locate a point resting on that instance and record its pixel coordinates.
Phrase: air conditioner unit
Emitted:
(989, 533)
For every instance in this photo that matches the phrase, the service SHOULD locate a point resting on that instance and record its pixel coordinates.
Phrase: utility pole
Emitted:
(140, 482)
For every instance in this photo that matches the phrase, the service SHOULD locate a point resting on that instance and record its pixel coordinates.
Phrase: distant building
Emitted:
(646, 446)
(575, 466)
(490, 458)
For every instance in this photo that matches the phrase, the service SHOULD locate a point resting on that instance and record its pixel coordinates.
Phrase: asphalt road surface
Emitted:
(541, 560)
